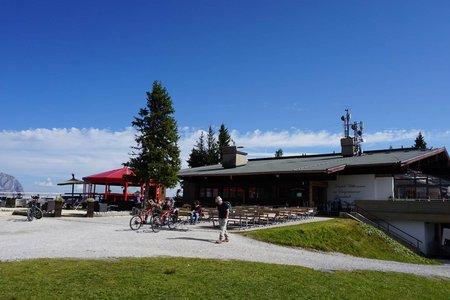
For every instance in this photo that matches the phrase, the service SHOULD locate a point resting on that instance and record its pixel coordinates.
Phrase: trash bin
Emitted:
(101, 207)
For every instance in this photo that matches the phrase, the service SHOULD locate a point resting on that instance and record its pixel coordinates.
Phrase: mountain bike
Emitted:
(169, 218)
(144, 217)
(33, 211)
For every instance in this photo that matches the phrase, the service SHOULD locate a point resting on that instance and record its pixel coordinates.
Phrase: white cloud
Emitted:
(56, 153)
(46, 183)
(60, 152)
(392, 136)
(288, 139)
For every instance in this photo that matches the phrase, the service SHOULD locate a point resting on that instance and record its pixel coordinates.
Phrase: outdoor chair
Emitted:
(267, 217)
(49, 206)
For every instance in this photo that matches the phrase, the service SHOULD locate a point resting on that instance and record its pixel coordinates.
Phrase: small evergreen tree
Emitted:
(223, 140)
(156, 156)
(212, 150)
(279, 153)
(199, 155)
(419, 142)
(208, 152)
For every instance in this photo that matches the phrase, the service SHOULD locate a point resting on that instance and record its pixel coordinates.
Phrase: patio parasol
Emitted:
(72, 182)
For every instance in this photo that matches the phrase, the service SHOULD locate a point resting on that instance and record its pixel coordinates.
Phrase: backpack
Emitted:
(230, 209)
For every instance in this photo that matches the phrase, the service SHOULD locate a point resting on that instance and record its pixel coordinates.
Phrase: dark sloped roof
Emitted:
(310, 164)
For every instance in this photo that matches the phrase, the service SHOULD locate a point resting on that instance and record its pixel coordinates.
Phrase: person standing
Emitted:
(222, 208)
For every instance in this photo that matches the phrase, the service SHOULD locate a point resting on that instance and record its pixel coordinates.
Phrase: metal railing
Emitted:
(390, 229)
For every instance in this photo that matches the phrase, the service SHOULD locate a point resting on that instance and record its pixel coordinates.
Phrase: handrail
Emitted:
(377, 221)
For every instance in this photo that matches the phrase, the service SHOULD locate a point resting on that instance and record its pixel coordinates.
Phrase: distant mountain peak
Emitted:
(9, 184)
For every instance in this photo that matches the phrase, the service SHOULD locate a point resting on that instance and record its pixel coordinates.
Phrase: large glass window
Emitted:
(208, 193)
(415, 185)
(234, 194)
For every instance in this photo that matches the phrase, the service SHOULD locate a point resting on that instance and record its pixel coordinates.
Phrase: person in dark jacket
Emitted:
(222, 209)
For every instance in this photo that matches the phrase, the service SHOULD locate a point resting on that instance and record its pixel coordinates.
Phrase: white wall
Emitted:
(384, 188)
(349, 188)
(420, 230)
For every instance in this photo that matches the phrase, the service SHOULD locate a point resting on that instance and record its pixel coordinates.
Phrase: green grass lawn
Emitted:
(340, 235)
(183, 278)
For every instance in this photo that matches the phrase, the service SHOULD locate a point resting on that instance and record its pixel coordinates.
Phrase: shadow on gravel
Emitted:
(192, 239)
(138, 231)
(18, 220)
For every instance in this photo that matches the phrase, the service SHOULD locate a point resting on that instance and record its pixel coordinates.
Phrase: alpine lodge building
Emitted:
(407, 187)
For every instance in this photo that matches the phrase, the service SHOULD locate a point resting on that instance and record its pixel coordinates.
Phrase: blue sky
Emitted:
(278, 74)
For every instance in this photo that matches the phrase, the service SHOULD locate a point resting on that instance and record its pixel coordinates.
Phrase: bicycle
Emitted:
(144, 217)
(158, 220)
(34, 211)
(169, 218)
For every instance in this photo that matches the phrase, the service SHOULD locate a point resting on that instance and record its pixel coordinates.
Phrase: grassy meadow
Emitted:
(186, 278)
(340, 235)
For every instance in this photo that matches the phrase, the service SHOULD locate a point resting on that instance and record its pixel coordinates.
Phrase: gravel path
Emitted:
(104, 237)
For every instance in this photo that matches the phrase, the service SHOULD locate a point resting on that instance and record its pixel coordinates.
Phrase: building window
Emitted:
(208, 193)
(234, 194)
(415, 185)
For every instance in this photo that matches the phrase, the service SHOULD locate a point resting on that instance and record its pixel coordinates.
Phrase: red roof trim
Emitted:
(423, 156)
(336, 169)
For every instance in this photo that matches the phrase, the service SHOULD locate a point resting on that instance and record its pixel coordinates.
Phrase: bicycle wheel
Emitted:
(156, 223)
(172, 221)
(29, 215)
(135, 222)
(38, 213)
(183, 226)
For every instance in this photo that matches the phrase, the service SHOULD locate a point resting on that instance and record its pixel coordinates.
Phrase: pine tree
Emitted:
(224, 140)
(211, 148)
(419, 142)
(199, 155)
(156, 156)
(279, 153)
(208, 152)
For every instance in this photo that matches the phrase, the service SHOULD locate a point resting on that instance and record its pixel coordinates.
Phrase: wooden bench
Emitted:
(240, 219)
(267, 217)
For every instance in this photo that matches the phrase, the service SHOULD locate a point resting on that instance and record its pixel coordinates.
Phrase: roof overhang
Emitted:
(423, 156)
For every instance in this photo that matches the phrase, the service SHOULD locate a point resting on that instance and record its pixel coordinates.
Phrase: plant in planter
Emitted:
(90, 207)
(59, 201)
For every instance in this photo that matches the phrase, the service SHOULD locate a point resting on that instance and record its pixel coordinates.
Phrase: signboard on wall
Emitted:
(349, 188)
(346, 189)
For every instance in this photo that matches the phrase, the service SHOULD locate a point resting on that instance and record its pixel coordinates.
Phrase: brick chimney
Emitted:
(347, 146)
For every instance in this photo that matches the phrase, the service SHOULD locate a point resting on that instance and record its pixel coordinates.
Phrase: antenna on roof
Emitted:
(346, 120)
(351, 146)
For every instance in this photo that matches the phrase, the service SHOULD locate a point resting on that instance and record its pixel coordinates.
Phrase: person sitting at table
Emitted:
(151, 204)
(195, 213)
(163, 208)
(137, 201)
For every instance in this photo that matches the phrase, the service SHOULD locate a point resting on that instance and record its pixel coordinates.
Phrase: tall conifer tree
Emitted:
(156, 156)
(212, 148)
(223, 140)
(199, 155)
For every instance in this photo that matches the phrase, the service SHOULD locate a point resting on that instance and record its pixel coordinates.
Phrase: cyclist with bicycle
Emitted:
(33, 210)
